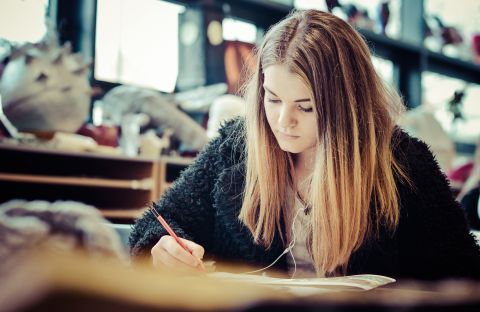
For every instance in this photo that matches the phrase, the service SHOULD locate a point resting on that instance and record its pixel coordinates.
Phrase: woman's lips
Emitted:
(287, 136)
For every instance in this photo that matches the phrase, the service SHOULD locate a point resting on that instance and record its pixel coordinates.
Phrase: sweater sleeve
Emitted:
(186, 206)
(435, 241)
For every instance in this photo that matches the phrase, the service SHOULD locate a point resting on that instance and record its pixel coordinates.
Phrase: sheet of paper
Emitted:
(306, 286)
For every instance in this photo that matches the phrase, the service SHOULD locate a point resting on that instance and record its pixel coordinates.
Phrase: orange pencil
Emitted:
(172, 234)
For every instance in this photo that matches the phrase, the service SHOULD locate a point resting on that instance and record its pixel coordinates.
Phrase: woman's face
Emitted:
(289, 109)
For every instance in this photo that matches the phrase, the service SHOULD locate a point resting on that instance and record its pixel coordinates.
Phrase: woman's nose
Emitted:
(286, 118)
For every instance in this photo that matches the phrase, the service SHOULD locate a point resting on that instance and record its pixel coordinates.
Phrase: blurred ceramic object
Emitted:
(420, 122)
(455, 103)
(476, 48)
(125, 100)
(200, 99)
(45, 88)
(443, 38)
(383, 15)
(103, 134)
(153, 146)
(223, 108)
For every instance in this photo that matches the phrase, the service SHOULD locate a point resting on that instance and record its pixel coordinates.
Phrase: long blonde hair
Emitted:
(354, 163)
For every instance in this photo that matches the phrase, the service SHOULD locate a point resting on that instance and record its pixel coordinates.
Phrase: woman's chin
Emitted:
(290, 149)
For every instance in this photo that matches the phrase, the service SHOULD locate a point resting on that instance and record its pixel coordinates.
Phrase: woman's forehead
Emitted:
(279, 79)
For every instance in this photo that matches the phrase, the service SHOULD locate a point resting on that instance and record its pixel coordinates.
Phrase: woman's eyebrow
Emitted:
(296, 101)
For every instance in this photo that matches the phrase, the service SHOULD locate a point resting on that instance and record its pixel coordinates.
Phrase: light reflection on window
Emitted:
(137, 43)
(438, 90)
(23, 21)
(384, 68)
(237, 30)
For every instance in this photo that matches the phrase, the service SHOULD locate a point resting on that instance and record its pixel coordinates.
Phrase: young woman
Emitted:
(316, 179)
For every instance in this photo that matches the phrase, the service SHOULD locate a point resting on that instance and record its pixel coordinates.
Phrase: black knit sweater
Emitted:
(432, 240)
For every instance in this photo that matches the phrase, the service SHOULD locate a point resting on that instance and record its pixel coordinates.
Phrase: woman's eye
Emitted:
(306, 110)
(273, 101)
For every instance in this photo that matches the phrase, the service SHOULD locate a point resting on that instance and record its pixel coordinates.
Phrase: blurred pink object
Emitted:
(458, 176)
(476, 48)
(103, 135)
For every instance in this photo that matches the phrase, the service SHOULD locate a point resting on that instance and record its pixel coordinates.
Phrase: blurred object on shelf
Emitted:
(379, 16)
(102, 134)
(153, 146)
(466, 185)
(358, 17)
(473, 177)
(457, 177)
(45, 87)
(420, 122)
(470, 202)
(78, 143)
(332, 4)
(62, 141)
(62, 226)
(452, 25)
(239, 64)
(438, 90)
(476, 48)
(383, 15)
(444, 39)
(450, 35)
(5, 124)
(130, 133)
(161, 110)
(73, 142)
(455, 104)
(5, 48)
(223, 108)
(200, 99)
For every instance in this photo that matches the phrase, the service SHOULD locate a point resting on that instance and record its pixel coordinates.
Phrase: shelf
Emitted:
(128, 214)
(453, 67)
(146, 184)
(174, 160)
(89, 155)
(387, 47)
(116, 185)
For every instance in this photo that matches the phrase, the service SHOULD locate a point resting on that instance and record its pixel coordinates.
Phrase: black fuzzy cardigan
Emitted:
(432, 240)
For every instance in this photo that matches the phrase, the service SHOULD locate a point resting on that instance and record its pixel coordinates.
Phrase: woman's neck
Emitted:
(303, 166)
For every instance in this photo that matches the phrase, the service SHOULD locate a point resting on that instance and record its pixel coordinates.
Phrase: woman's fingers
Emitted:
(169, 253)
(165, 260)
(197, 250)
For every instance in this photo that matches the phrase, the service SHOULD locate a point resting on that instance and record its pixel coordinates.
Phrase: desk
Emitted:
(119, 186)
(75, 283)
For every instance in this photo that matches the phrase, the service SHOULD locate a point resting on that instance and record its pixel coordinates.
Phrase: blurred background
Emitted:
(142, 85)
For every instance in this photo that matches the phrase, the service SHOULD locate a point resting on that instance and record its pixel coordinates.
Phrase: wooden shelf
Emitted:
(184, 161)
(89, 155)
(146, 184)
(116, 185)
(129, 214)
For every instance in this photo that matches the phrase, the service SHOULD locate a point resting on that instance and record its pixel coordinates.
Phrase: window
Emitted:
(438, 90)
(384, 68)
(371, 7)
(464, 16)
(23, 21)
(237, 30)
(137, 43)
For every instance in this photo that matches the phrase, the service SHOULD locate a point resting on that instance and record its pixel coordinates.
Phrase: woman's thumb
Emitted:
(196, 249)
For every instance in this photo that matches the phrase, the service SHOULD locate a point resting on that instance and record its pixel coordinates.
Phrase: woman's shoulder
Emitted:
(230, 143)
(411, 151)
(232, 127)
(424, 176)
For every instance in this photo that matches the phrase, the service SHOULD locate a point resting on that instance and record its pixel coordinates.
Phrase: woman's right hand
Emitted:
(167, 253)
